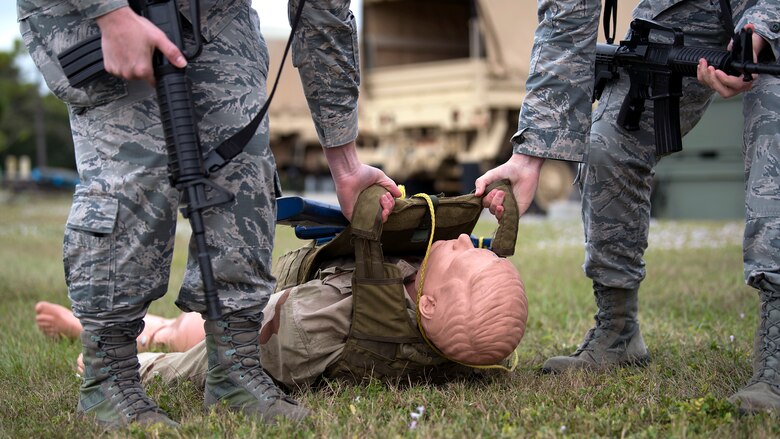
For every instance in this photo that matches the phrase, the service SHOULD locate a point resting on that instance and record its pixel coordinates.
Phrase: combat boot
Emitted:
(762, 392)
(236, 378)
(614, 341)
(111, 391)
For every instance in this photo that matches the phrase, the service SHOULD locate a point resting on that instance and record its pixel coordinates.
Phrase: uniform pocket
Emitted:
(88, 252)
(52, 31)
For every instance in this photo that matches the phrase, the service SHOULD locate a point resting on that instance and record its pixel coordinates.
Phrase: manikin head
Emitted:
(473, 306)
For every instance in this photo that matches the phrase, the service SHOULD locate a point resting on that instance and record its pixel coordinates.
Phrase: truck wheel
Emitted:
(555, 183)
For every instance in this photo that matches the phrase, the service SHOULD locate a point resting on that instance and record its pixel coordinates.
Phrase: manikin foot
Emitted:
(56, 321)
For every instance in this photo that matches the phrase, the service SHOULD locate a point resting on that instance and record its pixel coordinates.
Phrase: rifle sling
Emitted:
(610, 13)
(726, 19)
(227, 150)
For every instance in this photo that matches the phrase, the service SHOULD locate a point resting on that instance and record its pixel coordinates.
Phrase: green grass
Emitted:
(693, 300)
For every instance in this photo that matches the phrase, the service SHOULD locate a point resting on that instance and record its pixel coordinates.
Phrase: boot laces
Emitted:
(603, 323)
(768, 370)
(123, 370)
(243, 340)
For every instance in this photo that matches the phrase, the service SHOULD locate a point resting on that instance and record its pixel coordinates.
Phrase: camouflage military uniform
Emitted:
(303, 332)
(616, 175)
(120, 232)
(119, 237)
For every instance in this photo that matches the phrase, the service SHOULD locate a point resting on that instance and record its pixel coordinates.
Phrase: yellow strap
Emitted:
(515, 357)
(481, 242)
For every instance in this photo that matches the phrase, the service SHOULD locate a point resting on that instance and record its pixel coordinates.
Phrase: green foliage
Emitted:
(21, 101)
(693, 300)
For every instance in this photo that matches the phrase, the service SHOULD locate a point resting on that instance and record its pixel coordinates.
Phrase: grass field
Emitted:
(697, 318)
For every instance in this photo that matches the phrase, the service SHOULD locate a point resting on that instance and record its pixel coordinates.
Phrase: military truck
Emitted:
(442, 85)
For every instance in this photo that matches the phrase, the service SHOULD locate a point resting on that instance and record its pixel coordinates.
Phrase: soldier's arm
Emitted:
(326, 54)
(556, 113)
(555, 116)
(325, 51)
(765, 18)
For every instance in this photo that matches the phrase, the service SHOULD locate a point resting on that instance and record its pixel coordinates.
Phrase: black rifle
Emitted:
(84, 62)
(656, 71)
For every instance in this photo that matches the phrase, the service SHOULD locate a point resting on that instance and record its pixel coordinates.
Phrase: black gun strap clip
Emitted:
(610, 14)
(227, 150)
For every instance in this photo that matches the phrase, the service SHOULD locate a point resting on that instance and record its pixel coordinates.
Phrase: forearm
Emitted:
(325, 52)
(555, 116)
(765, 16)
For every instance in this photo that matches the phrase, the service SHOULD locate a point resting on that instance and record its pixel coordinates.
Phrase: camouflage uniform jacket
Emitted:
(560, 79)
(325, 52)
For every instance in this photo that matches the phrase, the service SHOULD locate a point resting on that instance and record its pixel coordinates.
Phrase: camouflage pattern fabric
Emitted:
(303, 332)
(616, 179)
(555, 117)
(325, 51)
(119, 236)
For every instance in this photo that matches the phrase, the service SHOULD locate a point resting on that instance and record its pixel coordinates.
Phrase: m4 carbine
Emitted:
(84, 62)
(656, 71)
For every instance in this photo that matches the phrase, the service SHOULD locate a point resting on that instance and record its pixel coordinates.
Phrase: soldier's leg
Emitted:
(118, 239)
(616, 183)
(762, 240)
(118, 247)
(240, 234)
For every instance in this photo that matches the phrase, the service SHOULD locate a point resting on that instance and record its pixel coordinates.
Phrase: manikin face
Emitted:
(473, 306)
(453, 259)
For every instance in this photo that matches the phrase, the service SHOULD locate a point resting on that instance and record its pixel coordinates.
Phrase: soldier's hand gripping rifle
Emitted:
(84, 62)
(656, 71)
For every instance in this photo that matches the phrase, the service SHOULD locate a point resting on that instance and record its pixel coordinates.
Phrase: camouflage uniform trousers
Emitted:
(304, 331)
(120, 232)
(616, 179)
(555, 117)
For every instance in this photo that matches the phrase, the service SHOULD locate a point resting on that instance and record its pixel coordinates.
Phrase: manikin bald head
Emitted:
(473, 306)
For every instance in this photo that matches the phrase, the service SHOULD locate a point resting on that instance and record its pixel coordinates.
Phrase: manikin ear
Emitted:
(427, 306)
(440, 295)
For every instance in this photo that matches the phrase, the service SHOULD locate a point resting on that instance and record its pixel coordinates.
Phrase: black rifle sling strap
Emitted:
(726, 19)
(610, 14)
(222, 154)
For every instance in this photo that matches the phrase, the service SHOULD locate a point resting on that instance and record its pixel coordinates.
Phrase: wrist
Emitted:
(342, 160)
(114, 17)
(527, 161)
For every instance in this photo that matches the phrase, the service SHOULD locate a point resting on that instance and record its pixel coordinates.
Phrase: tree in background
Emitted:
(20, 99)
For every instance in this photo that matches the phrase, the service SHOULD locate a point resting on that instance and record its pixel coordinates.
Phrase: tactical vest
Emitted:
(383, 342)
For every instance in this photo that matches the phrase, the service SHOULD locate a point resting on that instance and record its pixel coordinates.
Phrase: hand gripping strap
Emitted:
(506, 235)
(367, 217)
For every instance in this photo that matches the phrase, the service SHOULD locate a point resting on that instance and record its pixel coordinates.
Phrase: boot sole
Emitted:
(636, 362)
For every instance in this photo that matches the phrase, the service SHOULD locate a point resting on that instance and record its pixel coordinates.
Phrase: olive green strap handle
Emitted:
(366, 232)
(506, 235)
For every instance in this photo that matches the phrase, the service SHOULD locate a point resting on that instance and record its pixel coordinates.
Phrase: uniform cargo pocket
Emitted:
(88, 252)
